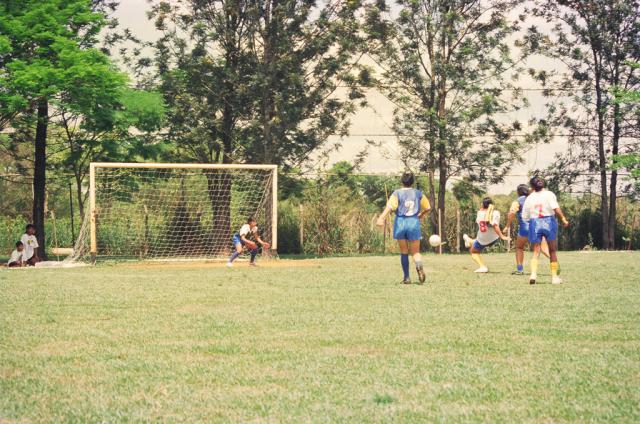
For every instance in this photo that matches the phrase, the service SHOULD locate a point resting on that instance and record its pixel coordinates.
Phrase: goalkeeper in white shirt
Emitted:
(247, 237)
(488, 220)
(540, 210)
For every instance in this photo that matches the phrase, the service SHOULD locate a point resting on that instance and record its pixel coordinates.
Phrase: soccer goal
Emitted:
(174, 211)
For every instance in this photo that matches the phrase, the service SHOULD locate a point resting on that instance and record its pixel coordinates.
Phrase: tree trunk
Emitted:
(602, 158)
(80, 195)
(39, 175)
(267, 111)
(613, 191)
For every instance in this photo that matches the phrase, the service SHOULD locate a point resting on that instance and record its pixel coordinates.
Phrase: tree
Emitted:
(446, 66)
(629, 161)
(301, 61)
(595, 40)
(46, 49)
(122, 129)
(254, 81)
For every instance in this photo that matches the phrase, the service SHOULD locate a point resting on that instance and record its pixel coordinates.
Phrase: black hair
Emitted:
(537, 183)
(19, 243)
(407, 179)
(523, 190)
(251, 219)
(29, 226)
(486, 202)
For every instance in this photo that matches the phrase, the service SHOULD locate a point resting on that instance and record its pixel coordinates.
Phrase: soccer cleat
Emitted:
(229, 264)
(421, 275)
(467, 240)
(516, 272)
(556, 280)
(406, 281)
(253, 264)
(533, 278)
(482, 270)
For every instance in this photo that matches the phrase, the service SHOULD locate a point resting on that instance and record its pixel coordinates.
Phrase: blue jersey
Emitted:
(408, 202)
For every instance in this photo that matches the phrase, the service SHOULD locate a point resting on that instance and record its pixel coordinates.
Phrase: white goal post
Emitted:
(175, 210)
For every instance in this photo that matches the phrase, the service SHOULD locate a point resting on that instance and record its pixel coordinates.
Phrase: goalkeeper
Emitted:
(247, 237)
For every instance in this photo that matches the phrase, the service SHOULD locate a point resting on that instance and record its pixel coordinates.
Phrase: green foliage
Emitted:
(255, 81)
(437, 58)
(597, 43)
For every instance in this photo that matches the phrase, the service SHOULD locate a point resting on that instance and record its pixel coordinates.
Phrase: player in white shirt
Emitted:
(17, 256)
(540, 210)
(488, 220)
(31, 245)
(247, 237)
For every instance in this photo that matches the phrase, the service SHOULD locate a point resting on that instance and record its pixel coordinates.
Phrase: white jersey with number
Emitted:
(17, 257)
(246, 229)
(539, 204)
(30, 245)
(486, 234)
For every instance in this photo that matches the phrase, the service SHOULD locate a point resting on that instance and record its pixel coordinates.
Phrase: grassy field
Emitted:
(322, 341)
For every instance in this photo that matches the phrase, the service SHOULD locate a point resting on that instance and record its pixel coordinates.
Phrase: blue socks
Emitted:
(234, 256)
(404, 260)
(253, 254)
(520, 268)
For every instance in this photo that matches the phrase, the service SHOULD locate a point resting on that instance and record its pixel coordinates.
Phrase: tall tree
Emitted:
(449, 67)
(122, 129)
(254, 81)
(257, 81)
(595, 40)
(304, 53)
(47, 49)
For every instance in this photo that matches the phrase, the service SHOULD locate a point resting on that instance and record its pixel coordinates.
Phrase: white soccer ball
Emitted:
(435, 240)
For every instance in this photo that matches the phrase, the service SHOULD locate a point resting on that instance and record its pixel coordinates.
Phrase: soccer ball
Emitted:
(435, 240)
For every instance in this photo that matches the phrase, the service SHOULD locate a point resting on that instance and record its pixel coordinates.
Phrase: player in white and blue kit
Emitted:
(515, 212)
(488, 220)
(539, 211)
(409, 205)
(247, 237)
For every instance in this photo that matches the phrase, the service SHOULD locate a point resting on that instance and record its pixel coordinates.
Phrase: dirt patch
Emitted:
(275, 263)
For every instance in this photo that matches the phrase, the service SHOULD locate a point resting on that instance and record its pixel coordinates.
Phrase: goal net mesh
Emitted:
(174, 213)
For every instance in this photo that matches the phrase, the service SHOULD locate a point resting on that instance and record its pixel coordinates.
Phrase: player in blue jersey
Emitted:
(409, 205)
(515, 212)
(540, 210)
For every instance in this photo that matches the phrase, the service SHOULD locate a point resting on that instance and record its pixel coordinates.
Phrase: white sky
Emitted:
(377, 118)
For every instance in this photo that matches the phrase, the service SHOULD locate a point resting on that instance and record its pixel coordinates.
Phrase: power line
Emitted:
(469, 136)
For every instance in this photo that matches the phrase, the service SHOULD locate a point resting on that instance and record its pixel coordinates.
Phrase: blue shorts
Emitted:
(523, 230)
(407, 228)
(546, 227)
(480, 246)
(237, 240)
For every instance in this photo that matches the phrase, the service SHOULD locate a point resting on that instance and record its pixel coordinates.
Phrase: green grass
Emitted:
(335, 341)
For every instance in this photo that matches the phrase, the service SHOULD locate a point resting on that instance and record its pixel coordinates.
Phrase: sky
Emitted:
(374, 121)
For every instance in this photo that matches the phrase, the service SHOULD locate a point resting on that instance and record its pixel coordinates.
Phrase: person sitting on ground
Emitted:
(31, 245)
(17, 256)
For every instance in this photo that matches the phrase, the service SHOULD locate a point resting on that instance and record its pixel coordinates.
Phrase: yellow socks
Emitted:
(476, 257)
(554, 269)
(534, 266)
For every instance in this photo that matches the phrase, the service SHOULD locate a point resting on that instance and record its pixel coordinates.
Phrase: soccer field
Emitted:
(328, 340)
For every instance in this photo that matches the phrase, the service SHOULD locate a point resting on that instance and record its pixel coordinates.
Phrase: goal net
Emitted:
(174, 211)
